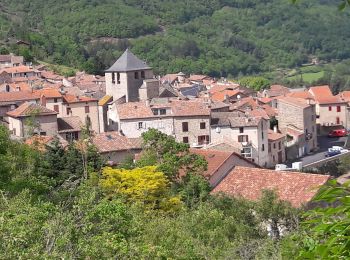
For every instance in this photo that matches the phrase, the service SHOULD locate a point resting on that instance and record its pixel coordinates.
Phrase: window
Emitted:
(56, 108)
(184, 126)
(55, 100)
(155, 111)
(330, 108)
(118, 78)
(142, 74)
(136, 75)
(280, 145)
(262, 135)
(263, 147)
(274, 145)
(162, 111)
(203, 139)
(202, 125)
(338, 109)
(269, 148)
(241, 130)
(69, 111)
(338, 120)
(113, 78)
(72, 136)
(242, 138)
(185, 139)
(87, 109)
(140, 125)
(274, 159)
(247, 153)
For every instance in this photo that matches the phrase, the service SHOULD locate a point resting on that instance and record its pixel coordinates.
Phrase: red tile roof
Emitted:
(26, 109)
(19, 69)
(274, 136)
(114, 141)
(48, 92)
(198, 77)
(221, 95)
(323, 95)
(295, 187)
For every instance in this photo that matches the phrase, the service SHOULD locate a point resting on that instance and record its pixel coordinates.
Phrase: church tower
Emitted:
(126, 76)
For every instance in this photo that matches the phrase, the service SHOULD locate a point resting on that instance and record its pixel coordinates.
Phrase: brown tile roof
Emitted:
(295, 187)
(19, 86)
(26, 109)
(298, 102)
(179, 108)
(198, 77)
(69, 124)
(345, 95)
(114, 141)
(40, 141)
(8, 97)
(77, 99)
(5, 58)
(271, 135)
(300, 94)
(277, 90)
(228, 119)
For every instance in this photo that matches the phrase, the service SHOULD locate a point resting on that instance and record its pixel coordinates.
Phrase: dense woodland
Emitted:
(60, 202)
(215, 37)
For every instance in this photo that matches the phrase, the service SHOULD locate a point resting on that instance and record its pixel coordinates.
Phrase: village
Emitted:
(242, 133)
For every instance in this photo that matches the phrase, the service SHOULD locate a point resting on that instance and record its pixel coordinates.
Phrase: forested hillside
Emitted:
(218, 37)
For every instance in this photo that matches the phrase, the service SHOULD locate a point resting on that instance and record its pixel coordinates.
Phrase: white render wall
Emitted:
(254, 136)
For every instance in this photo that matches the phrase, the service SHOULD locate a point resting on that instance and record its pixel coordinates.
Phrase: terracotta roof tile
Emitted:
(271, 135)
(6, 97)
(48, 92)
(114, 141)
(298, 102)
(19, 69)
(295, 187)
(77, 99)
(26, 109)
(323, 95)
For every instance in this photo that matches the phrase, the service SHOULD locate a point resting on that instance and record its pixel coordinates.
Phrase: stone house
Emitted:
(69, 128)
(116, 148)
(248, 134)
(11, 100)
(331, 111)
(8, 61)
(85, 108)
(44, 120)
(297, 120)
(22, 71)
(187, 120)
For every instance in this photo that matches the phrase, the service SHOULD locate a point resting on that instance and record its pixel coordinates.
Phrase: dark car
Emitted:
(332, 152)
(338, 133)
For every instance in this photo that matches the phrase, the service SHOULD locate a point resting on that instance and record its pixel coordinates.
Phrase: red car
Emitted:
(338, 133)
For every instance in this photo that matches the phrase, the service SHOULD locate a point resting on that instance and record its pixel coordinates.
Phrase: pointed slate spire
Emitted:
(128, 62)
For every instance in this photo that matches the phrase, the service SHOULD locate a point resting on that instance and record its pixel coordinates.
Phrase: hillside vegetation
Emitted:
(217, 37)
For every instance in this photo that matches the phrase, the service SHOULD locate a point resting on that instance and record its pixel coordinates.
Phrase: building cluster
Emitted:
(234, 127)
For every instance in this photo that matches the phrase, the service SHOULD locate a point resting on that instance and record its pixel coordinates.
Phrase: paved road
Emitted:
(324, 143)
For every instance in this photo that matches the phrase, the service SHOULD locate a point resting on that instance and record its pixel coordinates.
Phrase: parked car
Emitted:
(338, 133)
(332, 152)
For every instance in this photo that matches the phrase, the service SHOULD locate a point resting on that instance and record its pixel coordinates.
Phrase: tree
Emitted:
(256, 83)
(146, 186)
(278, 214)
(325, 230)
(170, 156)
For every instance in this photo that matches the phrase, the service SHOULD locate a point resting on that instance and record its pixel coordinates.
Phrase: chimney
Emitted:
(308, 101)
(275, 129)
(148, 103)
